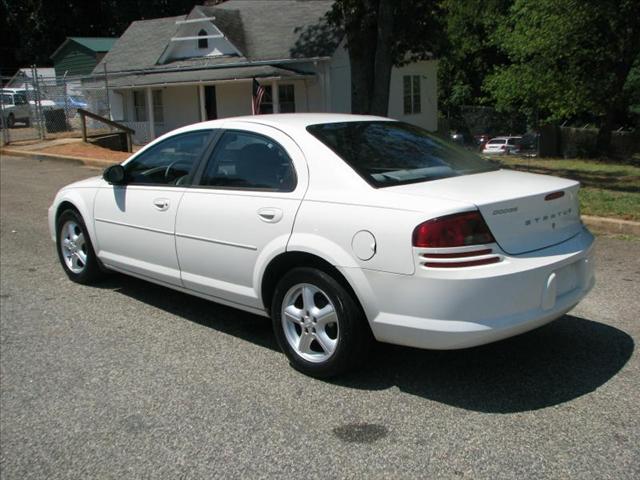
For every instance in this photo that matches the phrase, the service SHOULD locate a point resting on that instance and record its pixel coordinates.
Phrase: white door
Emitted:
(135, 222)
(242, 211)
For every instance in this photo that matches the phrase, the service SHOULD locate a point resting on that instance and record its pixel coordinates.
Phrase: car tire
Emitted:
(27, 122)
(318, 324)
(75, 250)
(11, 121)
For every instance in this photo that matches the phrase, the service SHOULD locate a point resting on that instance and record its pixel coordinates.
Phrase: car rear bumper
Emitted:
(464, 307)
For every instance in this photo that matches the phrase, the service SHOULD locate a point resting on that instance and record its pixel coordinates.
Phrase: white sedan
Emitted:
(341, 228)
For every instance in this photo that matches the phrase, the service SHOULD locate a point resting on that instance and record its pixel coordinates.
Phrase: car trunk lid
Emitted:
(524, 211)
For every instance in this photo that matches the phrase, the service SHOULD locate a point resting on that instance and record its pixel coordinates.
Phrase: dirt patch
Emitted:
(87, 150)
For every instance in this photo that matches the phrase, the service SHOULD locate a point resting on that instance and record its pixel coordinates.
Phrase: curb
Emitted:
(604, 225)
(90, 162)
(611, 225)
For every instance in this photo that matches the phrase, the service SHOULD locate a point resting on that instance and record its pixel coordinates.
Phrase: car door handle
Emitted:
(270, 215)
(161, 204)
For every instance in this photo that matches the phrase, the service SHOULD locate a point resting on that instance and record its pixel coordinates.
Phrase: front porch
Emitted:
(155, 109)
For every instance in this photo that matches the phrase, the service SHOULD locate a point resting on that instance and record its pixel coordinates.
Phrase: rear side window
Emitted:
(250, 161)
(496, 142)
(395, 153)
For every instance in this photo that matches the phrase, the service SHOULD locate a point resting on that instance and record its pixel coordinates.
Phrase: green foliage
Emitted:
(416, 27)
(470, 51)
(567, 58)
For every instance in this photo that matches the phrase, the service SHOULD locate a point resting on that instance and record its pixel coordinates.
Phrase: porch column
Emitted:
(150, 119)
(275, 94)
(203, 109)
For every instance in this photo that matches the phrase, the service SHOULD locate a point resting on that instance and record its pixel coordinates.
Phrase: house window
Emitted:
(411, 94)
(158, 110)
(203, 42)
(139, 106)
(287, 99)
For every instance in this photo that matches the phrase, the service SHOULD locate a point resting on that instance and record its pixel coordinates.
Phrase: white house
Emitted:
(168, 72)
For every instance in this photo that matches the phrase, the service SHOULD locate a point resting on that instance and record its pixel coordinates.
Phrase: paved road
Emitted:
(131, 380)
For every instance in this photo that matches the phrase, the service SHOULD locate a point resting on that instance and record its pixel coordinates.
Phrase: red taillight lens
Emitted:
(457, 230)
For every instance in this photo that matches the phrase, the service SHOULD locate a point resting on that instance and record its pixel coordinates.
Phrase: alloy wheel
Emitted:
(73, 246)
(310, 322)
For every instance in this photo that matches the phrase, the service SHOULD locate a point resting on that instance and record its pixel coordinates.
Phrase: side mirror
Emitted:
(114, 174)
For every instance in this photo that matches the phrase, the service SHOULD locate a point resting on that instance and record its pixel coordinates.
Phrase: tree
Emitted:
(569, 58)
(471, 51)
(380, 34)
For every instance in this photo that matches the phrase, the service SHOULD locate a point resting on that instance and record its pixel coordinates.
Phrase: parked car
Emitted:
(502, 146)
(71, 103)
(341, 228)
(31, 98)
(15, 108)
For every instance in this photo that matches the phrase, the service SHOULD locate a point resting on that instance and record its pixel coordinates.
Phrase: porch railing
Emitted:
(118, 126)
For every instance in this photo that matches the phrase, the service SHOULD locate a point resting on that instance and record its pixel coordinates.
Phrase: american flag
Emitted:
(258, 93)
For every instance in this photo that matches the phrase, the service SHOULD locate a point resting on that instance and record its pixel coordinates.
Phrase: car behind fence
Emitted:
(47, 107)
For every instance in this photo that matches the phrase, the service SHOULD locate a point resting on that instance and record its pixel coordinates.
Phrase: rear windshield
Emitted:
(395, 153)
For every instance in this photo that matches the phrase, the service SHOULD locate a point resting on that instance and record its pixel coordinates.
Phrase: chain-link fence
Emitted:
(37, 108)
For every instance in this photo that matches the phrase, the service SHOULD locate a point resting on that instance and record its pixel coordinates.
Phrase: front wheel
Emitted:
(318, 324)
(75, 250)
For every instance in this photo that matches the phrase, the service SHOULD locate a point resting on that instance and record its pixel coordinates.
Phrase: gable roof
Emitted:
(140, 45)
(272, 29)
(95, 44)
(261, 30)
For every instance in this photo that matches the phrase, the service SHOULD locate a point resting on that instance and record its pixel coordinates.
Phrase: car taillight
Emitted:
(457, 230)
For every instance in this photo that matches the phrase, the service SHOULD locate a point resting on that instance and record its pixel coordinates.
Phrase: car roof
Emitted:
(291, 120)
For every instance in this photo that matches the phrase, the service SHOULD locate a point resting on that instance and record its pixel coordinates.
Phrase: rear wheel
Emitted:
(11, 121)
(318, 324)
(75, 250)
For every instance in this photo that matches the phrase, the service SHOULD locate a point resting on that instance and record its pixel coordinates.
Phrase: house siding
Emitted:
(428, 72)
(74, 60)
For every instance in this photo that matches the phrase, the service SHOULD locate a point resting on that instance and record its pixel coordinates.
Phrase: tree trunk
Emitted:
(361, 75)
(383, 60)
(361, 38)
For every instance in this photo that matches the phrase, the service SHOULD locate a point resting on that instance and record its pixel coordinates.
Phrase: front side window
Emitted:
(20, 99)
(249, 161)
(7, 99)
(169, 162)
(411, 94)
(395, 153)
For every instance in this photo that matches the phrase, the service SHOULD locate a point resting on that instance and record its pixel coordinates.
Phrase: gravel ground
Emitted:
(132, 380)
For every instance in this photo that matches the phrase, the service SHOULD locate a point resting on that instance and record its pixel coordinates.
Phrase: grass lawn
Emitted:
(608, 190)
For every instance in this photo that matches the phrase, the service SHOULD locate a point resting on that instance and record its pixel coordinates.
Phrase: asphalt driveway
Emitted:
(132, 380)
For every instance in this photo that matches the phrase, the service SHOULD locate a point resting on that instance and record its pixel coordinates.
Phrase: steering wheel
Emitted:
(168, 169)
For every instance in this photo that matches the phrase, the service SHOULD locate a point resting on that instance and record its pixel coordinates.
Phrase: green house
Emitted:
(80, 55)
